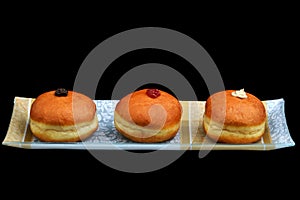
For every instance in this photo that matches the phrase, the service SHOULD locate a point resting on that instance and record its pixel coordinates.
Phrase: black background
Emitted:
(255, 51)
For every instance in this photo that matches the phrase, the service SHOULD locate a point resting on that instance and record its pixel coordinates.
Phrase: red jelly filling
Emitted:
(153, 93)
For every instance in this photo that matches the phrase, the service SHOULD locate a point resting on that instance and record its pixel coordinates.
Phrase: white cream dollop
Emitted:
(240, 93)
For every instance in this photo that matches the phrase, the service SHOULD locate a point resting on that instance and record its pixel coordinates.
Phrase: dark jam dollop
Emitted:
(61, 92)
(153, 93)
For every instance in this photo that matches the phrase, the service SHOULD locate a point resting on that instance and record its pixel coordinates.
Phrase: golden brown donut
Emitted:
(63, 116)
(244, 118)
(148, 116)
